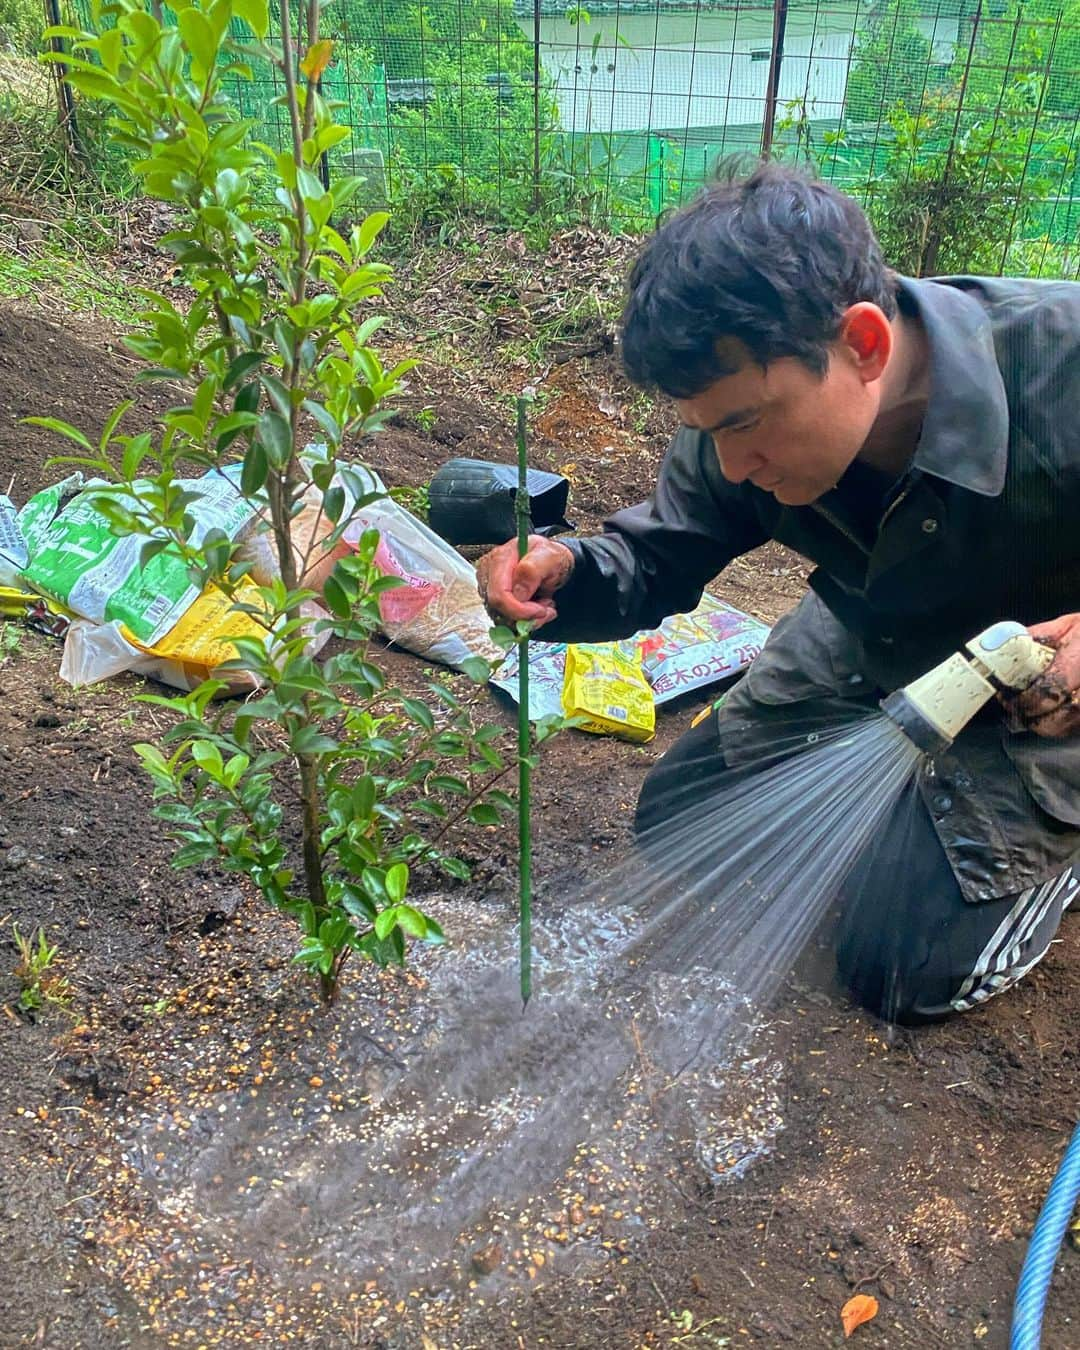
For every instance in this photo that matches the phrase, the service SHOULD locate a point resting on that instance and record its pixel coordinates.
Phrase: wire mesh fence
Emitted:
(954, 121)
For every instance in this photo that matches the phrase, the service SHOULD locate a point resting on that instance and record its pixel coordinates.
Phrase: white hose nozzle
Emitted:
(935, 708)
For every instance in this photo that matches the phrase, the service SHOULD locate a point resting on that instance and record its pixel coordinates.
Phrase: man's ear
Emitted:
(866, 338)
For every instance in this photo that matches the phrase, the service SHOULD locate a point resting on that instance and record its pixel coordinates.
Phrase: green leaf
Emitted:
(369, 230)
(61, 429)
(241, 366)
(278, 392)
(136, 450)
(337, 598)
(477, 669)
(198, 37)
(397, 882)
(454, 867)
(150, 755)
(256, 469)
(275, 434)
(255, 13)
(434, 934)
(344, 189)
(419, 712)
(308, 740)
(150, 550)
(359, 905)
(327, 422)
(334, 503)
(235, 769)
(113, 422)
(208, 757)
(412, 921)
(197, 852)
(483, 814)
(363, 794)
(373, 880)
(385, 922)
(247, 397)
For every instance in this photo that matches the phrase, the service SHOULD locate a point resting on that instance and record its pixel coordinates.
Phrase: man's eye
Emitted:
(743, 426)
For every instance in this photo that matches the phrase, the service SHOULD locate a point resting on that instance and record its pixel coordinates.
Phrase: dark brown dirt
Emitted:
(910, 1165)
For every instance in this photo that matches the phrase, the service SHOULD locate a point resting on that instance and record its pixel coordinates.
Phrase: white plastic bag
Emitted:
(438, 613)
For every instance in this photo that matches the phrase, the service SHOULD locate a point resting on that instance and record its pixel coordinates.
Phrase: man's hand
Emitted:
(516, 589)
(1050, 705)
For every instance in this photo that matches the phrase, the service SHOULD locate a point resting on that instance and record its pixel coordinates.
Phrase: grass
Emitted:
(52, 273)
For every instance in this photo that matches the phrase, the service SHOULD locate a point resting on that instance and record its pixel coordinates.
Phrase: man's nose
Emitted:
(738, 465)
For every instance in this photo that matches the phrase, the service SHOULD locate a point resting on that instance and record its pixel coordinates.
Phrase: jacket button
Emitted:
(929, 525)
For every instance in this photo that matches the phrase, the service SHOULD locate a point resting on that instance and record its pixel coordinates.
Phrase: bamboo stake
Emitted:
(521, 512)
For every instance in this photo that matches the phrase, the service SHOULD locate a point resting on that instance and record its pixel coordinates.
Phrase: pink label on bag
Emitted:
(403, 603)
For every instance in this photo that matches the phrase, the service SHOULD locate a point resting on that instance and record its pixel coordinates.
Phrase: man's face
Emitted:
(784, 428)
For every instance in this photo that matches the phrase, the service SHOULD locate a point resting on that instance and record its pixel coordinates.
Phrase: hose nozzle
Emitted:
(932, 710)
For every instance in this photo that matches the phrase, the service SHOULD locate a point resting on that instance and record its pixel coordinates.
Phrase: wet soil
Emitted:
(909, 1166)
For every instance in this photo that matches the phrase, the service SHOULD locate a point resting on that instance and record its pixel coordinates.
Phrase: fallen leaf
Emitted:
(317, 58)
(427, 1342)
(862, 1308)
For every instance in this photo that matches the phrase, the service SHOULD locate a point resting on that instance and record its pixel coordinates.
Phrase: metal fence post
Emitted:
(772, 84)
(69, 123)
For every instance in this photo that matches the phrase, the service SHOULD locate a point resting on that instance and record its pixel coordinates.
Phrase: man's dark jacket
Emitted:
(984, 525)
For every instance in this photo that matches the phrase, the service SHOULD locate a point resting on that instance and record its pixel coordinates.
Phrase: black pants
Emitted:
(908, 946)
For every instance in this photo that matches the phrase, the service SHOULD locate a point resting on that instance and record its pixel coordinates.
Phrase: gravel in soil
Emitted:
(906, 1165)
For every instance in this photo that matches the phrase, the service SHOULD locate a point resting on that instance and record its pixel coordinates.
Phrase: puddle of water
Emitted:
(548, 1140)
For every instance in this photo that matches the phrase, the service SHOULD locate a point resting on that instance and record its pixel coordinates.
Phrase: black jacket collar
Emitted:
(965, 434)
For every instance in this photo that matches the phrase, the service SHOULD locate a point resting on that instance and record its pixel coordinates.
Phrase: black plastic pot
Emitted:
(472, 502)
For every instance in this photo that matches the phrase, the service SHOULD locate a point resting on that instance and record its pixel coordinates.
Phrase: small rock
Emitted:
(47, 720)
(16, 856)
(487, 1259)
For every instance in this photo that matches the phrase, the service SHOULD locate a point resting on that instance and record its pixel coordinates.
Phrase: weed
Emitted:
(415, 499)
(10, 641)
(40, 983)
(694, 1333)
(426, 419)
(639, 411)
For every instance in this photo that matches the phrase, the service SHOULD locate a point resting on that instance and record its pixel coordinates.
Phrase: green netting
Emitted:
(955, 121)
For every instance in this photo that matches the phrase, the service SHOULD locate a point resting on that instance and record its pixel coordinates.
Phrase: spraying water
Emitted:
(645, 1049)
(737, 883)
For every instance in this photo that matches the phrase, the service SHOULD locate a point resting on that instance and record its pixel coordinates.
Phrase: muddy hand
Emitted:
(515, 589)
(1050, 705)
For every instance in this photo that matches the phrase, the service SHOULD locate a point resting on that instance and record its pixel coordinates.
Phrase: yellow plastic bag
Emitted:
(194, 649)
(606, 686)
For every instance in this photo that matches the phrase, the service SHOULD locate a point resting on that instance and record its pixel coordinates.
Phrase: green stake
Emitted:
(521, 512)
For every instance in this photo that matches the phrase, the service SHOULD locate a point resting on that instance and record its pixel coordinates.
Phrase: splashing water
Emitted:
(632, 1060)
